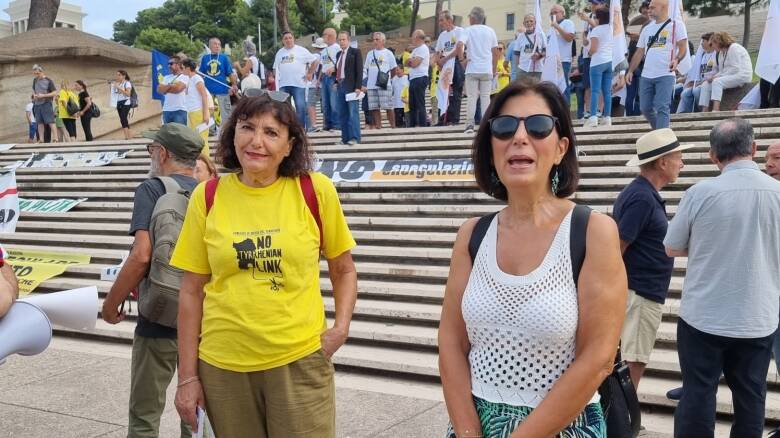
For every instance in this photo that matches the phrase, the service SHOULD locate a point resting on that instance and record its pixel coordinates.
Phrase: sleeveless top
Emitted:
(522, 328)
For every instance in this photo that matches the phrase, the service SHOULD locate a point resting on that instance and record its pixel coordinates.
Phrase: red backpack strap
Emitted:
(211, 191)
(307, 187)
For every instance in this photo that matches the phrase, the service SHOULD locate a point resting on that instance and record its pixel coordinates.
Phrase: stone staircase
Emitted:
(404, 232)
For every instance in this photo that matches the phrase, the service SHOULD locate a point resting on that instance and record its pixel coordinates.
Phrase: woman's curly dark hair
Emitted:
(299, 160)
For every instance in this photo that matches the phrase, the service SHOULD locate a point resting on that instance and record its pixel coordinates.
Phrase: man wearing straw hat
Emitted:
(727, 227)
(640, 213)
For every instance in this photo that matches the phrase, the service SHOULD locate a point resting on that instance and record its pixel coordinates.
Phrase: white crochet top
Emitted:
(522, 328)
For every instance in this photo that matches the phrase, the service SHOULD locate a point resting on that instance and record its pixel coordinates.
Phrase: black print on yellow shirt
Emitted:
(257, 254)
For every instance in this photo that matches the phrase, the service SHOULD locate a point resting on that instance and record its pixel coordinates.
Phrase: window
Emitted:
(510, 22)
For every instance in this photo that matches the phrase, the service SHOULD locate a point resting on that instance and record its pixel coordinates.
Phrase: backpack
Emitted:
(133, 97)
(158, 299)
(307, 189)
(619, 400)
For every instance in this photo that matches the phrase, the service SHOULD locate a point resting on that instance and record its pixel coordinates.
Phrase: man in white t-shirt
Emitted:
(330, 105)
(379, 60)
(661, 55)
(482, 56)
(565, 32)
(530, 47)
(174, 87)
(418, 64)
(294, 66)
(449, 51)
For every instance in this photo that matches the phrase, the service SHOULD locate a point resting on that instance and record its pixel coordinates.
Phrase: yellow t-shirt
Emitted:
(404, 58)
(434, 79)
(62, 101)
(503, 77)
(263, 306)
(405, 98)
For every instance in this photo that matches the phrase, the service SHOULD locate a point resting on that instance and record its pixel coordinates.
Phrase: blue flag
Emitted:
(159, 70)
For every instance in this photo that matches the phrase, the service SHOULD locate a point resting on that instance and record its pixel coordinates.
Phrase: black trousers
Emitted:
(86, 124)
(417, 88)
(743, 362)
(400, 120)
(453, 107)
(70, 126)
(770, 94)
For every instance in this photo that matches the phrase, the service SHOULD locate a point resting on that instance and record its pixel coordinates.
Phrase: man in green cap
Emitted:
(158, 211)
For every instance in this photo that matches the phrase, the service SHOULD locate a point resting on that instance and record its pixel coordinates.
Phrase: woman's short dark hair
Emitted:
(602, 16)
(482, 148)
(299, 160)
(124, 74)
(190, 64)
(82, 84)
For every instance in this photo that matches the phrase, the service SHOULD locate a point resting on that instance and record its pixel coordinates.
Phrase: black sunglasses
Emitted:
(538, 126)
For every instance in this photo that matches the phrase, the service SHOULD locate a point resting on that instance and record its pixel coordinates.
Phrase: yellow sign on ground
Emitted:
(34, 267)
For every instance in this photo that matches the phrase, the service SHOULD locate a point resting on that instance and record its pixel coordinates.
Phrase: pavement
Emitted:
(80, 389)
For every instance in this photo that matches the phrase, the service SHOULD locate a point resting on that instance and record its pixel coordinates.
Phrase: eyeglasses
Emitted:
(151, 146)
(500, 48)
(277, 96)
(538, 126)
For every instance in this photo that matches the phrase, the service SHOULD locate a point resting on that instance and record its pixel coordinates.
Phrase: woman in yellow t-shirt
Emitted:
(502, 71)
(69, 120)
(254, 345)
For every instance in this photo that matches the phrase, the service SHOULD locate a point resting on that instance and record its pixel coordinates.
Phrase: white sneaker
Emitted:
(606, 121)
(469, 129)
(592, 122)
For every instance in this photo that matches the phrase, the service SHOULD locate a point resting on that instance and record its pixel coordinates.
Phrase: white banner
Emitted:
(9, 202)
(768, 62)
(74, 159)
(619, 46)
(459, 169)
(49, 205)
(6, 146)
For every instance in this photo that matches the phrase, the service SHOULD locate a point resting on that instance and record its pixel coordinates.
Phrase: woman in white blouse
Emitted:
(735, 70)
(523, 347)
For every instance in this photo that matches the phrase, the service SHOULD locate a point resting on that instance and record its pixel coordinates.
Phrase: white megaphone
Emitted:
(75, 308)
(24, 330)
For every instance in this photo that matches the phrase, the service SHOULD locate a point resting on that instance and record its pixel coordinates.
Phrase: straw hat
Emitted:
(656, 144)
(319, 43)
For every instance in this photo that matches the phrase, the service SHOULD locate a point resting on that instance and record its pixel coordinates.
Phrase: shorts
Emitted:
(288, 401)
(380, 99)
(33, 131)
(643, 317)
(314, 97)
(44, 113)
(58, 122)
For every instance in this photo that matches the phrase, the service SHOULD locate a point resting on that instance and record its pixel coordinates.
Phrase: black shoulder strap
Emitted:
(578, 234)
(478, 234)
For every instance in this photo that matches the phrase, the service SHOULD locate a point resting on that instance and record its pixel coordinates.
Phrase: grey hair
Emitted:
(37, 67)
(731, 138)
(184, 162)
(478, 14)
(381, 35)
(447, 15)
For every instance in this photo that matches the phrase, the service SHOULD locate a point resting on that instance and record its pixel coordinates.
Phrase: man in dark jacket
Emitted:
(349, 77)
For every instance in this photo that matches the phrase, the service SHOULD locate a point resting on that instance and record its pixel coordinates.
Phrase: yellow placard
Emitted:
(34, 267)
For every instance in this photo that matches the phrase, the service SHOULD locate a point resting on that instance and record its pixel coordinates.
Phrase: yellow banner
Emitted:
(34, 267)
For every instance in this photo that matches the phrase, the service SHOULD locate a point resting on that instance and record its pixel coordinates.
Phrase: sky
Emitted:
(101, 14)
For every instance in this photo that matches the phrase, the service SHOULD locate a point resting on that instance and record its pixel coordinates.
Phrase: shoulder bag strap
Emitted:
(310, 196)
(654, 38)
(478, 234)
(210, 192)
(578, 234)
(170, 184)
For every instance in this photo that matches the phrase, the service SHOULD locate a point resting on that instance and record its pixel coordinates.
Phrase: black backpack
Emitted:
(619, 400)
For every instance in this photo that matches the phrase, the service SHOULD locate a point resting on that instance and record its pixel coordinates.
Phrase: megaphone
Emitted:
(24, 330)
(75, 308)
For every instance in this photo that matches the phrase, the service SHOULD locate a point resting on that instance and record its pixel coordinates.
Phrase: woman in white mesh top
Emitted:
(523, 348)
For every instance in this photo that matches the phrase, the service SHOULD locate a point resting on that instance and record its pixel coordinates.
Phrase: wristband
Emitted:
(188, 381)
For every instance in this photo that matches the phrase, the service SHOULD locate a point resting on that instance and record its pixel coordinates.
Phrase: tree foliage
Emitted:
(375, 15)
(168, 41)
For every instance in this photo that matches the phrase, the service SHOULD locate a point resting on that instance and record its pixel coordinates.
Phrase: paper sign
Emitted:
(49, 205)
(9, 202)
(354, 96)
(74, 159)
(110, 273)
(7, 146)
(204, 426)
(34, 267)
(397, 170)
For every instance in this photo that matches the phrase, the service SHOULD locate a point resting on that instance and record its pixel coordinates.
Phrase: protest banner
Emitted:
(73, 159)
(458, 169)
(49, 205)
(34, 267)
(9, 202)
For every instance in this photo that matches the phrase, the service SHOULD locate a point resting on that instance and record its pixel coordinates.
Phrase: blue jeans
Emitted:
(601, 82)
(567, 93)
(330, 113)
(175, 117)
(349, 112)
(655, 98)
(744, 363)
(689, 100)
(632, 91)
(299, 97)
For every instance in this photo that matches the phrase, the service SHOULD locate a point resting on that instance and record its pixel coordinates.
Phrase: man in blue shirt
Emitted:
(220, 79)
(640, 213)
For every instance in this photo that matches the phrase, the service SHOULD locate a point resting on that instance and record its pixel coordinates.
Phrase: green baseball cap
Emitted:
(178, 139)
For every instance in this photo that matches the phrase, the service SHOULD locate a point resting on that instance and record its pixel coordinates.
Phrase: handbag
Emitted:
(620, 402)
(382, 77)
(72, 107)
(95, 110)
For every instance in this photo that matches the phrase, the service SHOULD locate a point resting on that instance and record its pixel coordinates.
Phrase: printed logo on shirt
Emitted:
(450, 45)
(288, 59)
(663, 37)
(256, 253)
(214, 67)
(708, 67)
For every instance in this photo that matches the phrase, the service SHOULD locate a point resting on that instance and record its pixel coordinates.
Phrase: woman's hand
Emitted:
(332, 339)
(188, 398)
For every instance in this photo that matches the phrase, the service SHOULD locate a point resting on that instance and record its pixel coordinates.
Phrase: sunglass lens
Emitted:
(503, 127)
(539, 126)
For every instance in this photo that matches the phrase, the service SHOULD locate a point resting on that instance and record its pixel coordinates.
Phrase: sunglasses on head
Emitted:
(277, 96)
(538, 126)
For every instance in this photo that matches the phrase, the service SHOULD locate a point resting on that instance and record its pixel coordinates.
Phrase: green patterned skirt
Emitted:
(500, 420)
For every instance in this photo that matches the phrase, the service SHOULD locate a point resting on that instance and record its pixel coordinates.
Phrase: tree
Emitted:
(415, 11)
(709, 8)
(281, 16)
(436, 29)
(125, 32)
(167, 41)
(42, 14)
(312, 18)
(375, 15)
